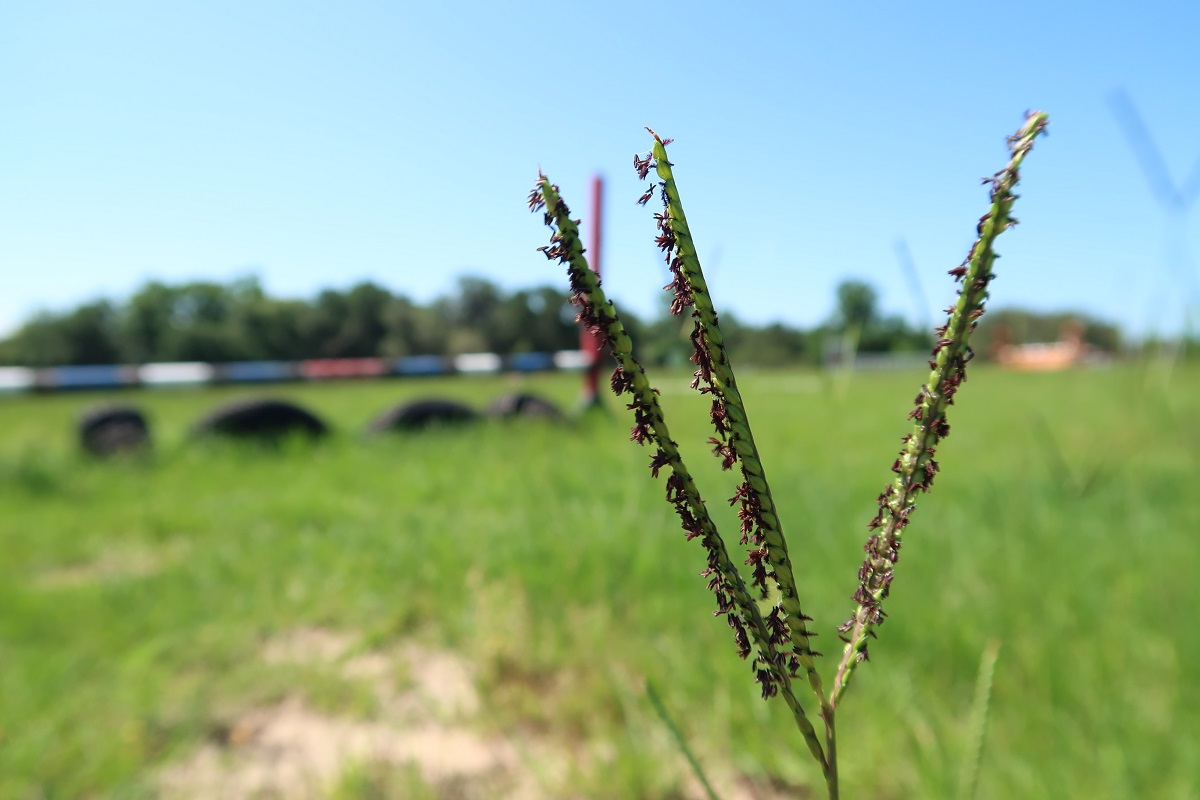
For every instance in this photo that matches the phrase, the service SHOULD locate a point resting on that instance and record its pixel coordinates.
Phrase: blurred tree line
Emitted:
(212, 322)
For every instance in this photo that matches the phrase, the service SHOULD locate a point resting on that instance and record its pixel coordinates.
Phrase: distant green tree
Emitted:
(85, 335)
(322, 323)
(857, 316)
(351, 324)
(856, 305)
(146, 321)
(270, 329)
(773, 345)
(664, 339)
(200, 323)
(472, 314)
(412, 329)
(365, 327)
(536, 320)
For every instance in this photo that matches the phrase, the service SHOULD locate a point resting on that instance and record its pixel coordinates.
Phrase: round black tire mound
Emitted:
(420, 414)
(110, 430)
(519, 404)
(262, 419)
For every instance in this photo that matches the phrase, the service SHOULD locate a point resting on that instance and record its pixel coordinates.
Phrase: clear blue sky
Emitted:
(320, 144)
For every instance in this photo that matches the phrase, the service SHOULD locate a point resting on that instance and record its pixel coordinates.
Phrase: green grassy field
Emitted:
(137, 598)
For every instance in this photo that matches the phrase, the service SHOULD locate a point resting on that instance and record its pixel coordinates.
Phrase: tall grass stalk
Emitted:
(780, 639)
(968, 780)
(680, 741)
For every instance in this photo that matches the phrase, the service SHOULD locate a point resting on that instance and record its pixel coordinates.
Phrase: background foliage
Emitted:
(239, 321)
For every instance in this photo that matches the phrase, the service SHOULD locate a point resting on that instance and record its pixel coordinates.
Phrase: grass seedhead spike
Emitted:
(734, 600)
(734, 442)
(915, 468)
(779, 642)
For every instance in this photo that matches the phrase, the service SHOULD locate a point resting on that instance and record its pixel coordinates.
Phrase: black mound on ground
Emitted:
(261, 419)
(109, 430)
(420, 414)
(519, 404)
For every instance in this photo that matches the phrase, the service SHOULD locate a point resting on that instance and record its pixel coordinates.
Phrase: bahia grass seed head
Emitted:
(779, 640)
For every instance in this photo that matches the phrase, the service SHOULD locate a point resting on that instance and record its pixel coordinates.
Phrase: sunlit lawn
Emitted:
(136, 596)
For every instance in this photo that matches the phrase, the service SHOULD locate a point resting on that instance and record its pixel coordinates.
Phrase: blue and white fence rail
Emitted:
(196, 373)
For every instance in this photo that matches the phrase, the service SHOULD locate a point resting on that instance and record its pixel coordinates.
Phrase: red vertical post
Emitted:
(592, 344)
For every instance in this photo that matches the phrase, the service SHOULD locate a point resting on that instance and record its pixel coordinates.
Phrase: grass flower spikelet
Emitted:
(734, 600)
(915, 467)
(734, 443)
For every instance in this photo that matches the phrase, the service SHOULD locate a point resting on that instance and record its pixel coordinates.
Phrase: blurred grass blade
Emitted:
(680, 742)
(969, 777)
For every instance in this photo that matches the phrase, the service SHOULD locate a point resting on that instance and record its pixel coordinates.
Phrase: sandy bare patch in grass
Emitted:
(118, 564)
(427, 705)
(288, 750)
